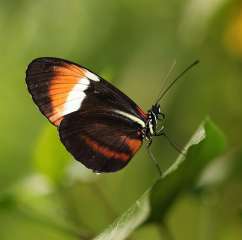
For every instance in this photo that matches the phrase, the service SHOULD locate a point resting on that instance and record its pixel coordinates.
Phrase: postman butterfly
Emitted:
(97, 123)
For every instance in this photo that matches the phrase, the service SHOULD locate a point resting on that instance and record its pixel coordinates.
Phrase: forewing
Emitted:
(103, 141)
(60, 87)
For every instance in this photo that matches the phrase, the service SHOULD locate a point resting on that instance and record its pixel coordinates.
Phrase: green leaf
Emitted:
(30, 203)
(50, 156)
(207, 143)
(128, 221)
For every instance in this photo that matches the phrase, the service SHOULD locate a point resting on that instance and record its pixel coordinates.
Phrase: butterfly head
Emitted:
(154, 116)
(155, 109)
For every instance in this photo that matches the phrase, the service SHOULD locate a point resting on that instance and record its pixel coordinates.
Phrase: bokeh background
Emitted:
(44, 193)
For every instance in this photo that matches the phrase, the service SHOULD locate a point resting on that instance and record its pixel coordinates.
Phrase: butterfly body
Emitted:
(97, 123)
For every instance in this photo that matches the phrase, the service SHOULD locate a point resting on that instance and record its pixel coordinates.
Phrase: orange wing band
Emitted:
(106, 152)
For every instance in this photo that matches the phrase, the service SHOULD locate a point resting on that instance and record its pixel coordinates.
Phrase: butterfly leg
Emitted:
(160, 132)
(153, 158)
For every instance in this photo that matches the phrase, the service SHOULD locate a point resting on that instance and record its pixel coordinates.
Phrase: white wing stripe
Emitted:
(76, 93)
(131, 117)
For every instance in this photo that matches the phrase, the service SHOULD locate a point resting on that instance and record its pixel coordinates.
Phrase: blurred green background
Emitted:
(44, 193)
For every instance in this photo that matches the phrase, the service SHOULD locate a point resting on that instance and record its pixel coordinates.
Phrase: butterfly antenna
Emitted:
(175, 80)
(165, 78)
(173, 144)
(154, 159)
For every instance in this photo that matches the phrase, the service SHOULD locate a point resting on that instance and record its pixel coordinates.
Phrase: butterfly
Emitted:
(97, 123)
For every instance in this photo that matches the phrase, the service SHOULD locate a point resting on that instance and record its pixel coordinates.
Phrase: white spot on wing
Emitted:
(84, 81)
(92, 76)
(76, 96)
(131, 117)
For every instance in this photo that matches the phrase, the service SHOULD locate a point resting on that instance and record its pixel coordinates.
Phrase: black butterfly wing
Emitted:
(102, 140)
(98, 124)
(59, 87)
